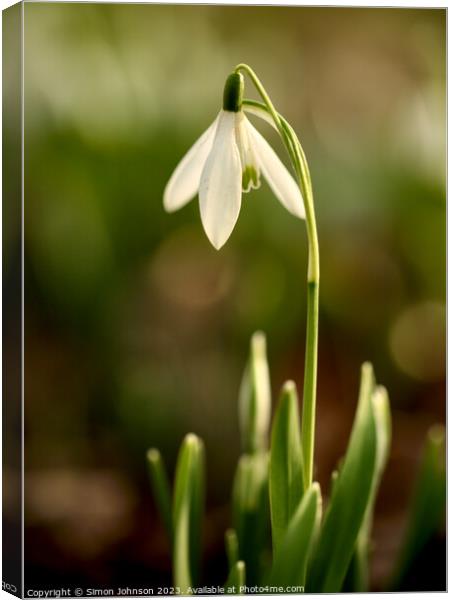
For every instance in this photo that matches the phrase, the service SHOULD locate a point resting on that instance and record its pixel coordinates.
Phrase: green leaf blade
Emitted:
(290, 564)
(428, 505)
(358, 576)
(161, 488)
(349, 501)
(188, 503)
(232, 547)
(236, 578)
(255, 398)
(286, 472)
(251, 510)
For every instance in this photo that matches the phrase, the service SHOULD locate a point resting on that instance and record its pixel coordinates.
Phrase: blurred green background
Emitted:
(137, 330)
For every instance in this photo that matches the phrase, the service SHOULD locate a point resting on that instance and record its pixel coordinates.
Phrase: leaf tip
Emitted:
(193, 440)
(289, 387)
(380, 398)
(367, 369)
(258, 342)
(153, 455)
(316, 487)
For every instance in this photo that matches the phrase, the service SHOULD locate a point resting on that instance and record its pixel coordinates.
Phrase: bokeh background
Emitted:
(137, 330)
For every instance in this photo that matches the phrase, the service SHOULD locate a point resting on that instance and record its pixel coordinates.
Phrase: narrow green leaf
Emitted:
(427, 512)
(236, 578)
(290, 564)
(285, 475)
(255, 398)
(358, 576)
(187, 512)
(350, 497)
(161, 489)
(232, 547)
(196, 513)
(251, 510)
(333, 481)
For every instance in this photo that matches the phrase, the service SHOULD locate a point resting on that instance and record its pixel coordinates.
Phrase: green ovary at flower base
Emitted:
(228, 160)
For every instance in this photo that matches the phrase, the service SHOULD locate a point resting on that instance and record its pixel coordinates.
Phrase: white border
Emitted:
(439, 4)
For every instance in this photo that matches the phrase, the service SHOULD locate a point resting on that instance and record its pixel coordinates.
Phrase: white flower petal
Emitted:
(184, 182)
(221, 182)
(280, 181)
(250, 169)
(261, 113)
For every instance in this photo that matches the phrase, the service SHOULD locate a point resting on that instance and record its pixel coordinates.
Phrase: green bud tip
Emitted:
(153, 455)
(193, 441)
(233, 92)
(380, 398)
(289, 387)
(316, 487)
(367, 368)
(259, 343)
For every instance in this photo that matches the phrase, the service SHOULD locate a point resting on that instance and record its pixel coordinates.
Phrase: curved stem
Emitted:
(300, 165)
(267, 101)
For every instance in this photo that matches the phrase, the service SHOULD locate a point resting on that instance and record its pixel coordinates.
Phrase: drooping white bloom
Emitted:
(228, 159)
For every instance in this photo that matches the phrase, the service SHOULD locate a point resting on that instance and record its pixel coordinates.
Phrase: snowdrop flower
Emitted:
(228, 159)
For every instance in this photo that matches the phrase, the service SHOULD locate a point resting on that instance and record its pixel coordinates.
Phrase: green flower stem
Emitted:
(310, 375)
(300, 165)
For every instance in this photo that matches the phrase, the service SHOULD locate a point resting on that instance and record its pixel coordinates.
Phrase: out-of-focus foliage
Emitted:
(136, 329)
